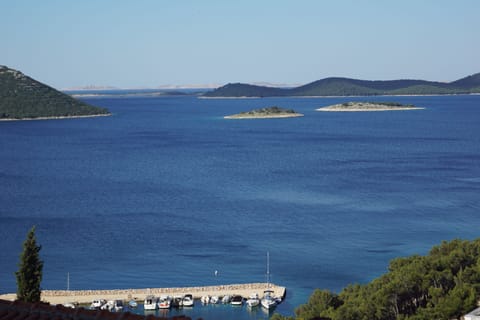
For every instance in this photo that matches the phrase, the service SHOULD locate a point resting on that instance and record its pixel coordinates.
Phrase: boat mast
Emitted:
(268, 269)
(68, 281)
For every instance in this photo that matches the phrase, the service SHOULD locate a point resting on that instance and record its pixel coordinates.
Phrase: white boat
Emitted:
(150, 303)
(237, 300)
(253, 300)
(132, 304)
(187, 300)
(226, 299)
(69, 305)
(118, 305)
(97, 304)
(164, 302)
(108, 306)
(269, 301)
(214, 299)
(205, 299)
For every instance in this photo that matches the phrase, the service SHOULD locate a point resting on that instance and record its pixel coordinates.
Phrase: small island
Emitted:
(369, 106)
(266, 113)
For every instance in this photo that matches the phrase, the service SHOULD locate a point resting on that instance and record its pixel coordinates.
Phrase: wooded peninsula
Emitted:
(336, 86)
(22, 97)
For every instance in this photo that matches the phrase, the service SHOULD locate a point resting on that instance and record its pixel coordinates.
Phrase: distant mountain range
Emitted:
(22, 97)
(353, 87)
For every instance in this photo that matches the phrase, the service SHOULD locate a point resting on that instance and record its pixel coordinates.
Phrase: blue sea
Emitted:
(165, 191)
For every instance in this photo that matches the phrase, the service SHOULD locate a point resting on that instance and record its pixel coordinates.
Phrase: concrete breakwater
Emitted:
(86, 296)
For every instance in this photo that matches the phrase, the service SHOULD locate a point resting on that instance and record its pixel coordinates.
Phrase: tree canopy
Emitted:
(29, 275)
(444, 284)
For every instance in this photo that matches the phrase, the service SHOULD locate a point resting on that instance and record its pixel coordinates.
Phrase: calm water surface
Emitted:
(166, 191)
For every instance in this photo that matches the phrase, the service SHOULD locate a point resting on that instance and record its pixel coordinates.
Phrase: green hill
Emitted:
(353, 87)
(22, 97)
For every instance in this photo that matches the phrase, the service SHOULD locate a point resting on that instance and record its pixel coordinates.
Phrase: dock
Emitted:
(87, 296)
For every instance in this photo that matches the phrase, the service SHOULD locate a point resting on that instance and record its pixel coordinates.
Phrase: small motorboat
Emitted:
(214, 300)
(253, 300)
(164, 302)
(268, 301)
(176, 302)
(132, 304)
(118, 305)
(97, 304)
(150, 303)
(205, 299)
(108, 306)
(237, 300)
(226, 299)
(187, 301)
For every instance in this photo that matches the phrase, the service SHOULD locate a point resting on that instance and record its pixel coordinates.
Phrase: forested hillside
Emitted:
(353, 87)
(444, 284)
(22, 97)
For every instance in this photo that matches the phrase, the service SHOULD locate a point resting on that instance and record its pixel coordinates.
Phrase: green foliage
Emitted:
(29, 275)
(353, 87)
(441, 285)
(22, 97)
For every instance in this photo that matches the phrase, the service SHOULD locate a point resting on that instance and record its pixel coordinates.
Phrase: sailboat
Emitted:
(268, 301)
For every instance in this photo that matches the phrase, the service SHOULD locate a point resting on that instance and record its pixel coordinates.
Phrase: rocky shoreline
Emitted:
(368, 106)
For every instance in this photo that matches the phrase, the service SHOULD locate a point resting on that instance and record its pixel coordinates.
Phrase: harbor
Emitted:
(84, 297)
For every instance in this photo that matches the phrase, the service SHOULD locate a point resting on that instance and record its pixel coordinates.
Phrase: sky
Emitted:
(152, 43)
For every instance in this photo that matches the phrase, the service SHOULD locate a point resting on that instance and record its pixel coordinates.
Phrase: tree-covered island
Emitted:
(369, 106)
(22, 97)
(263, 113)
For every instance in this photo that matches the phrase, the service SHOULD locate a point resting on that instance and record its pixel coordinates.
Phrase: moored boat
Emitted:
(252, 300)
(214, 300)
(268, 301)
(176, 302)
(97, 304)
(205, 299)
(118, 305)
(132, 304)
(226, 299)
(237, 300)
(150, 303)
(187, 300)
(164, 302)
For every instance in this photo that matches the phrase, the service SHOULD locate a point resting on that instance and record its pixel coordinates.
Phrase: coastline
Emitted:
(87, 296)
(338, 109)
(59, 118)
(352, 96)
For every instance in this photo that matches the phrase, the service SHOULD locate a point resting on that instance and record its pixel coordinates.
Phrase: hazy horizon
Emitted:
(150, 44)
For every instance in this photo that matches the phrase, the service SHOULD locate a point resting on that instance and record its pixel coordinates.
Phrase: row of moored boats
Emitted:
(268, 301)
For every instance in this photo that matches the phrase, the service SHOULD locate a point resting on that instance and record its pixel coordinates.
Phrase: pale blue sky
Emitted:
(151, 43)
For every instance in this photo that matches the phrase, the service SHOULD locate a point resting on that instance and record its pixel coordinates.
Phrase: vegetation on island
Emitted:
(29, 275)
(269, 112)
(22, 97)
(444, 284)
(369, 106)
(353, 87)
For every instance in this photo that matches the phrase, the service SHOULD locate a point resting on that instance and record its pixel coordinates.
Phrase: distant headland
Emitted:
(351, 87)
(263, 113)
(368, 106)
(23, 98)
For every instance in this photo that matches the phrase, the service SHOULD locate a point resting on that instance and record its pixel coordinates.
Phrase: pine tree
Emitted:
(29, 275)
